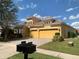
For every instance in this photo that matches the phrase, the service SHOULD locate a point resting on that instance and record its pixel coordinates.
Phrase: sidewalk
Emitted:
(9, 49)
(57, 54)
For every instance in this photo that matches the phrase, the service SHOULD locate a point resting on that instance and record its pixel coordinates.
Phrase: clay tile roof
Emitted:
(48, 21)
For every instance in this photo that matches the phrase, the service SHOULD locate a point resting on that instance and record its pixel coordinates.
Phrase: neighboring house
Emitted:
(18, 29)
(48, 28)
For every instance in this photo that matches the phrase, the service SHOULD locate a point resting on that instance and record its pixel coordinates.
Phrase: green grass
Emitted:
(33, 56)
(63, 46)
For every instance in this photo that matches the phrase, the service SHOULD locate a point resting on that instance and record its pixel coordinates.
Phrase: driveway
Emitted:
(8, 49)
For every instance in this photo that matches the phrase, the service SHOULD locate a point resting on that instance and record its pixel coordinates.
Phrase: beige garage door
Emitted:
(48, 33)
(34, 34)
(43, 33)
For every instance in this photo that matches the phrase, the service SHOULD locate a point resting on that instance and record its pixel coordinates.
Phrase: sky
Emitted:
(65, 10)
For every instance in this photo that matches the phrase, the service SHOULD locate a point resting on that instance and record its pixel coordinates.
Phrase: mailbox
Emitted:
(26, 48)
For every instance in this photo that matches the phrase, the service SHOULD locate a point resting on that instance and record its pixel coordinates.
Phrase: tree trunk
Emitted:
(5, 34)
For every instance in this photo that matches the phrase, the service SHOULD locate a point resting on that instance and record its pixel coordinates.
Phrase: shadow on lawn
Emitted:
(30, 58)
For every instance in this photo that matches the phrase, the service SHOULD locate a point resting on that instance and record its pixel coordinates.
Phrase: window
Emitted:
(57, 33)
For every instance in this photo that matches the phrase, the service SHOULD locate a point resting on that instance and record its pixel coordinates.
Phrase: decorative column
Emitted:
(38, 33)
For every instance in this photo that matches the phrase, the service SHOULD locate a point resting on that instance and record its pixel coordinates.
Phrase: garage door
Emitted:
(34, 34)
(48, 33)
(43, 33)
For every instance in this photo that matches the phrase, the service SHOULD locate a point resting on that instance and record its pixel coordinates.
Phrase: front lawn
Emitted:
(63, 46)
(33, 56)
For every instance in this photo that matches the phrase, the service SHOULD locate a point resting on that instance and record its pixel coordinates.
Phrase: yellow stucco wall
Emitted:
(46, 32)
(49, 32)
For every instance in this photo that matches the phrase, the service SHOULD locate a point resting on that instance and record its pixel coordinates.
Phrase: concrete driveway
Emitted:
(38, 42)
(8, 49)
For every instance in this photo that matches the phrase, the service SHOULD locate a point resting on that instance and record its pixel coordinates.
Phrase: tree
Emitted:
(7, 15)
(26, 32)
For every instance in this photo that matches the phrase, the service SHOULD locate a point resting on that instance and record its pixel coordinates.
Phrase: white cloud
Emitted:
(75, 25)
(67, 23)
(71, 9)
(31, 5)
(74, 17)
(21, 8)
(42, 17)
(36, 15)
(65, 18)
(23, 19)
(57, 16)
(47, 17)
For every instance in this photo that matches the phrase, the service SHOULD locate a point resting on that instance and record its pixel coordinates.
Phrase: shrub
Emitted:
(71, 34)
(57, 38)
(60, 38)
(7, 34)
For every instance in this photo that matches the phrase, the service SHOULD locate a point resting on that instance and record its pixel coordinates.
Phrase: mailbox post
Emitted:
(25, 56)
(26, 48)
